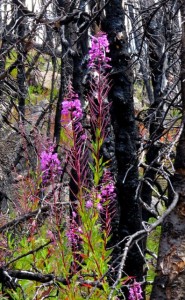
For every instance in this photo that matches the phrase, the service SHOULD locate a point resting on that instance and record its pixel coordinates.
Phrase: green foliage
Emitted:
(36, 93)
(36, 89)
(69, 243)
(138, 90)
(152, 246)
(11, 58)
(98, 160)
(91, 258)
(13, 73)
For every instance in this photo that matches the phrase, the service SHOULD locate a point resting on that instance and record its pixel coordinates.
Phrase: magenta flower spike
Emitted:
(73, 233)
(97, 53)
(107, 188)
(50, 164)
(99, 207)
(72, 105)
(89, 204)
(77, 154)
(135, 291)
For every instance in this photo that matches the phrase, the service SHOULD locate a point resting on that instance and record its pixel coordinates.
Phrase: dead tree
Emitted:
(123, 121)
(169, 281)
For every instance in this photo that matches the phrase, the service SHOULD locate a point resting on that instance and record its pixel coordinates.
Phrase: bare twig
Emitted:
(139, 234)
(27, 253)
(24, 218)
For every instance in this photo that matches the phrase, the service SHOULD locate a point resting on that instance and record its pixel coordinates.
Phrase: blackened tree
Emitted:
(52, 41)
(169, 282)
(123, 120)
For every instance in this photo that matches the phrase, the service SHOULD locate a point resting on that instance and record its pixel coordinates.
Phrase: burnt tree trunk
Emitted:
(80, 63)
(154, 30)
(66, 66)
(169, 283)
(121, 96)
(21, 57)
(143, 62)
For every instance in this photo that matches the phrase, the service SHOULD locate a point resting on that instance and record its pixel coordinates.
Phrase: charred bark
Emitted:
(153, 22)
(121, 96)
(79, 58)
(169, 283)
(19, 19)
(21, 76)
(66, 67)
(160, 40)
(141, 51)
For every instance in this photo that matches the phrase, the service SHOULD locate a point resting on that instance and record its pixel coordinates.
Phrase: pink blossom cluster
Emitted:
(135, 291)
(72, 105)
(73, 234)
(97, 53)
(107, 191)
(50, 164)
(89, 204)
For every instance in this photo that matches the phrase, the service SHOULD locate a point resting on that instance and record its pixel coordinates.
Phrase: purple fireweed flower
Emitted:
(66, 107)
(74, 214)
(51, 236)
(50, 164)
(72, 105)
(97, 53)
(73, 234)
(89, 204)
(71, 115)
(84, 137)
(107, 191)
(99, 206)
(107, 197)
(135, 291)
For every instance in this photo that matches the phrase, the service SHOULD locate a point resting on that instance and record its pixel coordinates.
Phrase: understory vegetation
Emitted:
(92, 151)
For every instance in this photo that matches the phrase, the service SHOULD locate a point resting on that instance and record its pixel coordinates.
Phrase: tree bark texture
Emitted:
(169, 283)
(66, 67)
(154, 31)
(121, 96)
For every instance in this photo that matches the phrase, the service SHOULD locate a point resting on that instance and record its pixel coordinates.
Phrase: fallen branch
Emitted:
(8, 275)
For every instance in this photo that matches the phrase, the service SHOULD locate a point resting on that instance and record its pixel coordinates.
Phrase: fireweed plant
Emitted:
(135, 291)
(50, 164)
(90, 226)
(70, 240)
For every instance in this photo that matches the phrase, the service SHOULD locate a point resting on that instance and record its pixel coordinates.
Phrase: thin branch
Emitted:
(24, 218)
(137, 235)
(27, 253)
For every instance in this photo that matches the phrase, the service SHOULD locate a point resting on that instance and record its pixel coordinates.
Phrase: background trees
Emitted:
(43, 54)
